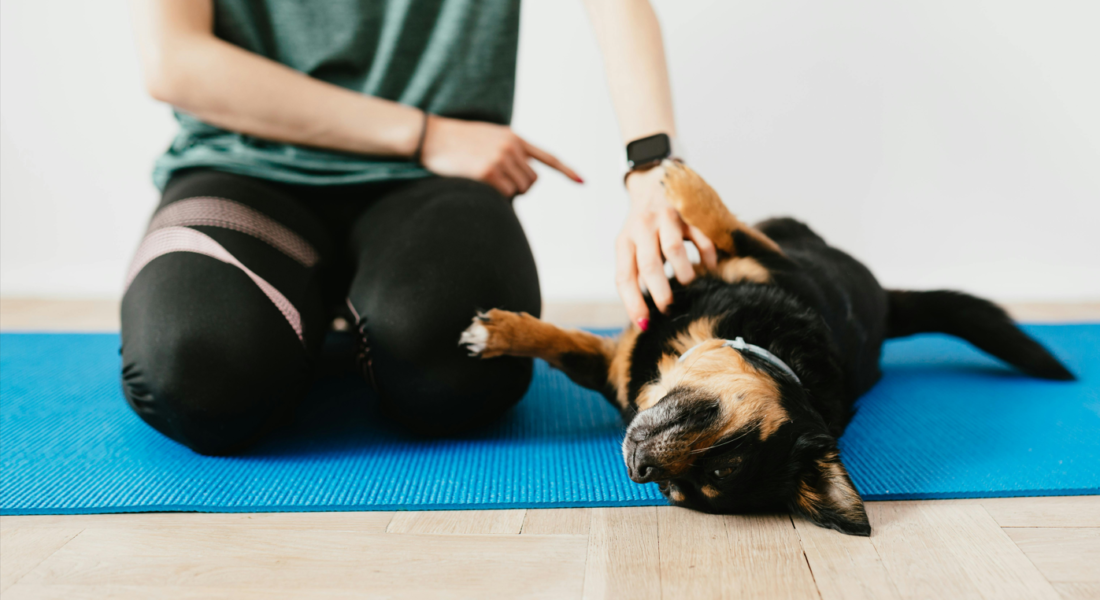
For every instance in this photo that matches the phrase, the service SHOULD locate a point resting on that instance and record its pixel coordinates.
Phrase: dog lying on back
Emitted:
(734, 400)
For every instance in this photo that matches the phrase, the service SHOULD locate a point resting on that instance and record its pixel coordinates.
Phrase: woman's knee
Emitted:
(448, 394)
(206, 396)
(425, 378)
(429, 257)
(210, 374)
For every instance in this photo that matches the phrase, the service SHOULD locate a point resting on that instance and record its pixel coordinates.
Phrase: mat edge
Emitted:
(169, 508)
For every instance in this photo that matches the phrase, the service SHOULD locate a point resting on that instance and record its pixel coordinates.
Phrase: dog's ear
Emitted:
(825, 493)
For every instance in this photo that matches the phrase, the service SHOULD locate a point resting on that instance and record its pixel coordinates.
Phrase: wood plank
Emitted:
(1049, 511)
(21, 550)
(1039, 511)
(1063, 555)
(769, 559)
(41, 314)
(694, 550)
(585, 314)
(461, 522)
(394, 565)
(623, 560)
(728, 556)
(987, 554)
(1078, 591)
(557, 521)
(844, 566)
(366, 521)
(138, 592)
(916, 559)
(951, 551)
(1053, 312)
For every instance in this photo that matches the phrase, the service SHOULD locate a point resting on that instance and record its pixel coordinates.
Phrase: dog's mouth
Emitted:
(672, 492)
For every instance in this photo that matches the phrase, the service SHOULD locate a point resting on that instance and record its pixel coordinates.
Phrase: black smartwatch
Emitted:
(648, 152)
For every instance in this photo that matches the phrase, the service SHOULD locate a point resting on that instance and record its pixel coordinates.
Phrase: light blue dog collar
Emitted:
(740, 344)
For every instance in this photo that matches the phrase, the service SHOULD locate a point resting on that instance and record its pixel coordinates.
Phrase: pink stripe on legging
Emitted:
(181, 239)
(219, 212)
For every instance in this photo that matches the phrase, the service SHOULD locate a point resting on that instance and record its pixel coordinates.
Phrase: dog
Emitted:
(735, 398)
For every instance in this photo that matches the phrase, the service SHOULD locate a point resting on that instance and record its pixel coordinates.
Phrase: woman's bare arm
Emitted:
(186, 66)
(634, 58)
(229, 87)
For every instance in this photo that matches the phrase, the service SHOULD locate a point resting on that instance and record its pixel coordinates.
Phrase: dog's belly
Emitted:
(848, 298)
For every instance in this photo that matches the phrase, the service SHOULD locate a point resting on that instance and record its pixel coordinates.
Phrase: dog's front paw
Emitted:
(476, 337)
(490, 333)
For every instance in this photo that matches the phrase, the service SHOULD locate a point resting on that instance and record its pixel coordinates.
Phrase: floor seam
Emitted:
(805, 557)
(44, 559)
(660, 575)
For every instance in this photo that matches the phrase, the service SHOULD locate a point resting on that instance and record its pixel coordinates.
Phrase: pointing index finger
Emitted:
(549, 160)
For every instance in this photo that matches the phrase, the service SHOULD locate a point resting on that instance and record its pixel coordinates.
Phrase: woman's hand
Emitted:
(652, 234)
(485, 152)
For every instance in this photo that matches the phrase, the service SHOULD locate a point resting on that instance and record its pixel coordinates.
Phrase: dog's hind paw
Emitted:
(476, 337)
(688, 192)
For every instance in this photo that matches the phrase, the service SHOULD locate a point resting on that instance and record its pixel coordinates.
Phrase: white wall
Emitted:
(947, 144)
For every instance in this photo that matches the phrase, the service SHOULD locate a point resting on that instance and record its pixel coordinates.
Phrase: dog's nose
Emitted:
(645, 468)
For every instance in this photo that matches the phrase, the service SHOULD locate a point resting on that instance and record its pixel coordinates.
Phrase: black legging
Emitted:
(234, 286)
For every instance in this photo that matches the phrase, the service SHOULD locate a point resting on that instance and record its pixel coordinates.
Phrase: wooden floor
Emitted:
(1031, 548)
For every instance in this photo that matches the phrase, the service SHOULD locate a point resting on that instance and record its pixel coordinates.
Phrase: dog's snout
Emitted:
(637, 435)
(644, 473)
(644, 466)
(655, 443)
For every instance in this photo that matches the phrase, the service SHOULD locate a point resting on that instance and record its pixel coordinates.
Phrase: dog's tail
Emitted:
(978, 321)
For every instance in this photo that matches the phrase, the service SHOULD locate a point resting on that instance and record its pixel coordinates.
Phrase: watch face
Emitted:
(648, 150)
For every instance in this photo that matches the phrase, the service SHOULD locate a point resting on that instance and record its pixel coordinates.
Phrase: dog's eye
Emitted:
(723, 472)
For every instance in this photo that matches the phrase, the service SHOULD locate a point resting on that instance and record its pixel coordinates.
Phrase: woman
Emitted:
(357, 154)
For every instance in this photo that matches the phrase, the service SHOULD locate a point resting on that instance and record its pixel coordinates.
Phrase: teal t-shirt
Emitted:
(455, 58)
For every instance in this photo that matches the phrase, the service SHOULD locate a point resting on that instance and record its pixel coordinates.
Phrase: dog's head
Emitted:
(722, 432)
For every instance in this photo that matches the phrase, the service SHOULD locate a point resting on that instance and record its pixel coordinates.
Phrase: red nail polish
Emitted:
(643, 324)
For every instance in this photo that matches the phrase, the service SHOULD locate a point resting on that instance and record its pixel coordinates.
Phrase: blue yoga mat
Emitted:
(945, 422)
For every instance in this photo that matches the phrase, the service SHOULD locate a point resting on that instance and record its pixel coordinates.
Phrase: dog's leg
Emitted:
(700, 206)
(595, 362)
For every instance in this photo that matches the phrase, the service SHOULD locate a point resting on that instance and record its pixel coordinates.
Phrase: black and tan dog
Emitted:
(734, 400)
